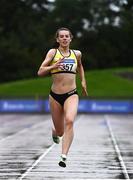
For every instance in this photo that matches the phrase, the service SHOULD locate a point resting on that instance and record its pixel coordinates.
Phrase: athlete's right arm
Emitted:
(45, 67)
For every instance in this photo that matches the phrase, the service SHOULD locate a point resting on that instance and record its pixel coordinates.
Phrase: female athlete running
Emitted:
(63, 63)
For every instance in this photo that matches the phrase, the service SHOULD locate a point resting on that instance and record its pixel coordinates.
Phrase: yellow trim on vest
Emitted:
(69, 63)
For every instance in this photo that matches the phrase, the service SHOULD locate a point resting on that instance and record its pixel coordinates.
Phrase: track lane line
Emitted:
(36, 162)
(41, 157)
(122, 164)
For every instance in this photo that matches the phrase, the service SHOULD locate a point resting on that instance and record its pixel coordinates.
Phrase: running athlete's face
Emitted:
(64, 38)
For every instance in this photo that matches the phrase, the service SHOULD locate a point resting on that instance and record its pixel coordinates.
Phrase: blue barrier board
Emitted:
(21, 105)
(85, 106)
(104, 106)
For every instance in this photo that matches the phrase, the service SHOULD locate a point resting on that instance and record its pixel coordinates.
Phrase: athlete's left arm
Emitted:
(81, 73)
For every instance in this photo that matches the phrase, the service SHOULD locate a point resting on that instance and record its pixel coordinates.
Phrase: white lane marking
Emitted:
(36, 162)
(40, 158)
(123, 166)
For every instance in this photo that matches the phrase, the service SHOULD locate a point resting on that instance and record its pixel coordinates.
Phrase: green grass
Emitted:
(101, 84)
(106, 83)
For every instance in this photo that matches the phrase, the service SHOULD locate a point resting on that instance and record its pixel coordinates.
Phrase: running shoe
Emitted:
(56, 139)
(63, 160)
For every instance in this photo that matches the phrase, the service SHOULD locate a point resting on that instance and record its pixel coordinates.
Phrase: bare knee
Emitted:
(69, 122)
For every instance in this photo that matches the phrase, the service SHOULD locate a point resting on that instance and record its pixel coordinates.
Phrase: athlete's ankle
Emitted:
(64, 156)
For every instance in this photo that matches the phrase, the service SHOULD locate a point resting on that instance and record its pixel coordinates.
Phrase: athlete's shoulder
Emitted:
(52, 51)
(77, 53)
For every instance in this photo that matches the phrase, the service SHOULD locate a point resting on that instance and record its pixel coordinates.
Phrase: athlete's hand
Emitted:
(58, 64)
(84, 89)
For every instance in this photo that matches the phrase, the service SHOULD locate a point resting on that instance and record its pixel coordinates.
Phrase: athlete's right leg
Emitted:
(57, 117)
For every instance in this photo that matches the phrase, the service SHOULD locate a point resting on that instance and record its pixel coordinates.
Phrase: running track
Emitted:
(102, 148)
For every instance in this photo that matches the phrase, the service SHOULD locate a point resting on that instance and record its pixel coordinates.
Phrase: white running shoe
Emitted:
(56, 139)
(63, 160)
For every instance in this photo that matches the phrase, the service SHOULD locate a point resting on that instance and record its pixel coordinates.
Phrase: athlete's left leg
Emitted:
(70, 112)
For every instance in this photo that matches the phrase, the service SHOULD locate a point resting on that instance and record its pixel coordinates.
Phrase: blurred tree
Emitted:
(22, 37)
(103, 31)
(98, 26)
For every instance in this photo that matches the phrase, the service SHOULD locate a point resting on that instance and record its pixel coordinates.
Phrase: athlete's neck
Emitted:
(64, 50)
